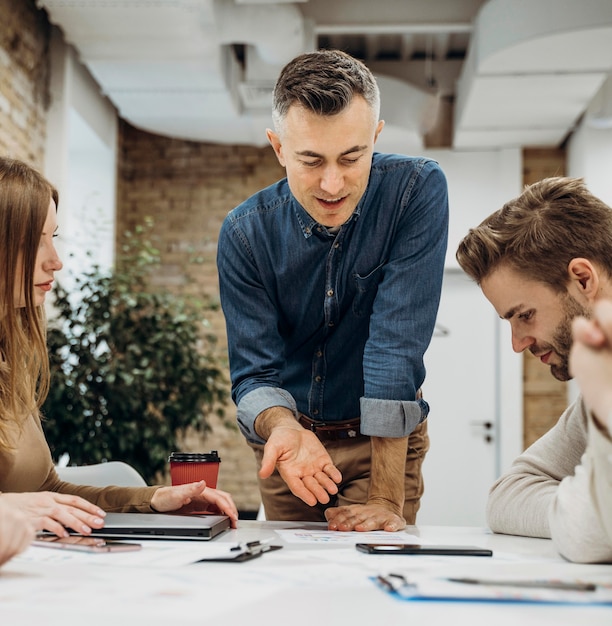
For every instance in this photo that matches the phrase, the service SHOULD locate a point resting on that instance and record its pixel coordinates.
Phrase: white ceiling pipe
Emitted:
(277, 31)
(429, 28)
(406, 106)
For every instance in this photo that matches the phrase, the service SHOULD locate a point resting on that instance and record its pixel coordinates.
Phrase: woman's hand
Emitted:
(16, 531)
(47, 510)
(193, 497)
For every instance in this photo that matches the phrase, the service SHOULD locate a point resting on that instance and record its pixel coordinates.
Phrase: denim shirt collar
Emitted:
(310, 225)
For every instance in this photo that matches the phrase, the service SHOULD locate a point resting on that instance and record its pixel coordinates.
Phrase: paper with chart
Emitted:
(334, 537)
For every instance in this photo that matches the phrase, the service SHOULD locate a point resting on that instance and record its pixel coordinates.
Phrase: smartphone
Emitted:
(415, 548)
(85, 544)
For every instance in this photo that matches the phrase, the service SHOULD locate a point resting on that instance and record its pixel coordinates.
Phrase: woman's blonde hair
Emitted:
(24, 362)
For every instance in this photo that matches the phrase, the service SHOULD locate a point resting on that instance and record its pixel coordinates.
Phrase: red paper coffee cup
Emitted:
(190, 467)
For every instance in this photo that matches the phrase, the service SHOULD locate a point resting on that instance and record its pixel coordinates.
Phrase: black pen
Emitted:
(531, 584)
(384, 582)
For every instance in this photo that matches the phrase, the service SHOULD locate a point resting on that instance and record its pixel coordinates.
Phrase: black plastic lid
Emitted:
(194, 457)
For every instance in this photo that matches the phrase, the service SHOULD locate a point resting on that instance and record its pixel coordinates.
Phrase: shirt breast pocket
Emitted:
(366, 288)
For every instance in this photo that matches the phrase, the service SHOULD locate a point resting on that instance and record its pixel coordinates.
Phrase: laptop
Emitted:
(162, 526)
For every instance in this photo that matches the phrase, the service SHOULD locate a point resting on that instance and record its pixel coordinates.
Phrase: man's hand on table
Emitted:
(364, 517)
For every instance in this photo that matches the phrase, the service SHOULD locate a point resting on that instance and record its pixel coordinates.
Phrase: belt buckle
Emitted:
(315, 426)
(312, 424)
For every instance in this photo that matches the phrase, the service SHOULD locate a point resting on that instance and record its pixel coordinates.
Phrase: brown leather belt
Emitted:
(332, 431)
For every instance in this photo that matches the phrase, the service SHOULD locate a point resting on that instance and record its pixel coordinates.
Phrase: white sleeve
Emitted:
(581, 516)
(521, 500)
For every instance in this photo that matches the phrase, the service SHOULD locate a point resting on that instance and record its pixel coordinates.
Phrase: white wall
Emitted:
(81, 161)
(478, 184)
(590, 157)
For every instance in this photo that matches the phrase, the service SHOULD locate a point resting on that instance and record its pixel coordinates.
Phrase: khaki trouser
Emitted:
(352, 458)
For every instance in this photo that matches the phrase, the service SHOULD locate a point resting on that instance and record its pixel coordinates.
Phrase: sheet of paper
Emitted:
(336, 537)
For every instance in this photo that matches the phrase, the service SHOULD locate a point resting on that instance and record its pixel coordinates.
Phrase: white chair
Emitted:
(261, 513)
(102, 475)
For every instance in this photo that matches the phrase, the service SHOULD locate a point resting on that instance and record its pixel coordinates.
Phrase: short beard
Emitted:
(562, 339)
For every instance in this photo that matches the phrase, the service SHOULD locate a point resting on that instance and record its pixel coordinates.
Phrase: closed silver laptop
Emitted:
(162, 526)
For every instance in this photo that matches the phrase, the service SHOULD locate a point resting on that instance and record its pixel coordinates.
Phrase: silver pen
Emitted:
(531, 584)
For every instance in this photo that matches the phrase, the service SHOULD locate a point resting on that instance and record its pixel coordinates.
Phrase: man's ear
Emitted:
(275, 142)
(379, 127)
(584, 279)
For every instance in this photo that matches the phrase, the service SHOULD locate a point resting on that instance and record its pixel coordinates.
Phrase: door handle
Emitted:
(487, 427)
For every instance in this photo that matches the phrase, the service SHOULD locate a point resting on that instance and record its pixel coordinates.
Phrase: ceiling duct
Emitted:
(272, 35)
(599, 115)
(532, 69)
(204, 70)
(276, 30)
(409, 113)
(257, 94)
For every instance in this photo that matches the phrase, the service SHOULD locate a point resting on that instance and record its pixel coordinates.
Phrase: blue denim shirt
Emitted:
(335, 325)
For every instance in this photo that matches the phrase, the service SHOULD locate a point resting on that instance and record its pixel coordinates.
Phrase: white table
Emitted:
(304, 584)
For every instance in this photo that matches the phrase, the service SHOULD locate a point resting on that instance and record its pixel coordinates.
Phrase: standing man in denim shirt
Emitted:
(330, 284)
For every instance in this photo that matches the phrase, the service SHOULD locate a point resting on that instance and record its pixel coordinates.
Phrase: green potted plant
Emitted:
(131, 365)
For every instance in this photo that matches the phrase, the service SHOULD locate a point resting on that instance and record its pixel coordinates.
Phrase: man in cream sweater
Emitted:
(544, 260)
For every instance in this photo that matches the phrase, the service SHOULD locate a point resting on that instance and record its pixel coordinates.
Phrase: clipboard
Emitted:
(242, 552)
(436, 589)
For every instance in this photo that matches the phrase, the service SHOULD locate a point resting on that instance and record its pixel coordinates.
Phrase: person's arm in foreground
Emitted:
(16, 531)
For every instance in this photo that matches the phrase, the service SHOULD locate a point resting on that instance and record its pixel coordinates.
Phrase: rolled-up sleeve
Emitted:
(256, 401)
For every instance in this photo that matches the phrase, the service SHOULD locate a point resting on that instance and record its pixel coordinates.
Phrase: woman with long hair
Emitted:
(28, 480)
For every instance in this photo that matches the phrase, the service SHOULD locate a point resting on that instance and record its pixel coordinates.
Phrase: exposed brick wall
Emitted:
(544, 397)
(188, 188)
(24, 80)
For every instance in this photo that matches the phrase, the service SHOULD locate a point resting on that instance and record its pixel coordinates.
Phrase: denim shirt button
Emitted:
(330, 292)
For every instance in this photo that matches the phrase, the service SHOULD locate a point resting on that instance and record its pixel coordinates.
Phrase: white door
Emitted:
(461, 388)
